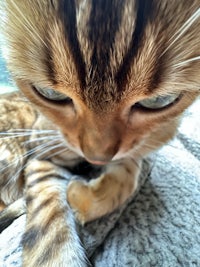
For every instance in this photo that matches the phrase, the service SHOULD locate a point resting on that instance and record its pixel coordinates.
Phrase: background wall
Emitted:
(6, 84)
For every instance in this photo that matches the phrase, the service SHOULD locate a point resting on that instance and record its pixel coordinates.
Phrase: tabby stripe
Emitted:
(49, 62)
(104, 22)
(55, 215)
(35, 233)
(144, 10)
(41, 206)
(44, 178)
(67, 14)
(159, 68)
(49, 251)
(29, 199)
(31, 237)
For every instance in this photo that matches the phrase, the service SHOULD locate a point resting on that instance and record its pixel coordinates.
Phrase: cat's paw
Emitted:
(80, 196)
(96, 198)
(100, 196)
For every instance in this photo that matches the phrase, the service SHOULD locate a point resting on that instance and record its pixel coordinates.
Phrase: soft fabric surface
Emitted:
(160, 226)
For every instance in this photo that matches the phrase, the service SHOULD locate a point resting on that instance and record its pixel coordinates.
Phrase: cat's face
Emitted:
(114, 76)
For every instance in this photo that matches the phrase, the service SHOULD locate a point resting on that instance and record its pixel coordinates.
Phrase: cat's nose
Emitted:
(99, 153)
(100, 141)
(98, 160)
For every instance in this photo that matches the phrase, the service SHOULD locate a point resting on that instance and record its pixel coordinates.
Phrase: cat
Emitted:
(111, 79)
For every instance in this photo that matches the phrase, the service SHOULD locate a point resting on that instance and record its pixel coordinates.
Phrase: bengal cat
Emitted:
(108, 81)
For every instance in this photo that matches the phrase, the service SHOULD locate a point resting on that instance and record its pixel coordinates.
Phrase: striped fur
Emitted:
(37, 187)
(106, 56)
(50, 237)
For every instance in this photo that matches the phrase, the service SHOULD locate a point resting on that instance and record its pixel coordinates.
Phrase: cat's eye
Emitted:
(159, 102)
(52, 94)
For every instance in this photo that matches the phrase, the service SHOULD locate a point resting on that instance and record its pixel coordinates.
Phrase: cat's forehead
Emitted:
(126, 45)
(104, 39)
(103, 49)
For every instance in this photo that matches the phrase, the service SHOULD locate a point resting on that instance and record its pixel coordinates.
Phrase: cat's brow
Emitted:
(104, 44)
(144, 8)
(102, 30)
(67, 13)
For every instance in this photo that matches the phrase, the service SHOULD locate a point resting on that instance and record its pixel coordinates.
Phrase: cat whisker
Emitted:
(34, 130)
(22, 19)
(13, 134)
(16, 134)
(48, 150)
(183, 63)
(183, 29)
(43, 138)
(59, 152)
(23, 166)
(15, 161)
(16, 175)
(50, 145)
(175, 87)
(28, 153)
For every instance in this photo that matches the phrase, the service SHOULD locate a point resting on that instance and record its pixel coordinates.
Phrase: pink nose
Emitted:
(99, 156)
(99, 146)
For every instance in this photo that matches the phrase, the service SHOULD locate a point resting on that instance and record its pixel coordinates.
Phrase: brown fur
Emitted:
(106, 59)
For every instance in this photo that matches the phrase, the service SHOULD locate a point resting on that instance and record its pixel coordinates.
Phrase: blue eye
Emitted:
(158, 102)
(52, 94)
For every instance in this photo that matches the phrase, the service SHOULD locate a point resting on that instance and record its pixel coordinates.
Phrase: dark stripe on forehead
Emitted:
(49, 62)
(67, 14)
(104, 22)
(144, 10)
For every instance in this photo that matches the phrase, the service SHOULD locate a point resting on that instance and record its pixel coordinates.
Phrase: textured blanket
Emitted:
(159, 226)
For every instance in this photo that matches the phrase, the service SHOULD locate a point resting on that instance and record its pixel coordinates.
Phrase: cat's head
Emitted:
(114, 76)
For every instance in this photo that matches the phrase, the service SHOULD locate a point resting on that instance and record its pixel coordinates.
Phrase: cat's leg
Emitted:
(50, 238)
(11, 212)
(91, 200)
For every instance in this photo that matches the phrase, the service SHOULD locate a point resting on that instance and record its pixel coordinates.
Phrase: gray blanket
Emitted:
(159, 226)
